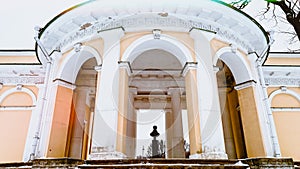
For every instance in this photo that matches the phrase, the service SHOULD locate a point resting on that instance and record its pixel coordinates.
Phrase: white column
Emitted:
(76, 140)
(106, 104)
(33, 124)
(190, 74)
(209, 106)
(123, 107)
(266, 116)
(177, 138)
(169, 132)
(48, 108)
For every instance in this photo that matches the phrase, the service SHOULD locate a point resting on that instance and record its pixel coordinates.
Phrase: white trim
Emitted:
(22, 90)
(189, 66)
(4, 108)
(236, 63)
(59, 82)
(284, 55)
(14, 53)
(98, 68)
(181, 52)
(71, 65)
(285, 109)
(283, 91)
(125, 65)
(245, 85)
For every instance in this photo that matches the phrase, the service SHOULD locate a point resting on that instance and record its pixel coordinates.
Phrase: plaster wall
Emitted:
(14, 124)
(287, 122)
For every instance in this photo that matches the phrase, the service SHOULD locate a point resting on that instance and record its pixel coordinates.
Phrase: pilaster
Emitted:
(190, 73)
(76, 139)
(208, 98)
(251, 122)
(124, 73)
(177, 137)
(107, 99)
(169, 132)
(131, 124)
(58, 135)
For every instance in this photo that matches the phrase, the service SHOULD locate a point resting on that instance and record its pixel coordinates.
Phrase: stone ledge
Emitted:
(56, 163)
(270, 163)
(64, 163)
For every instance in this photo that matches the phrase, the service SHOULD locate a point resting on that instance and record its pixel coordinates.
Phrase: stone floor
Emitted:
(252, 163)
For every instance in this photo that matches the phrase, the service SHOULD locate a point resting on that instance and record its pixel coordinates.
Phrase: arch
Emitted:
(72, 64)
(284, 91)
(236, 63)
(22, 90)
(167, 43)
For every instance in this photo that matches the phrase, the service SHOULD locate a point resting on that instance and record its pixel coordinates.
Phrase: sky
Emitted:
(18, 19)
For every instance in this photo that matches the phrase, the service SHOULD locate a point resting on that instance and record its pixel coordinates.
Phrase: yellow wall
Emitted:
(19, 59)
(184, 38)
(60, 123)
(17, 99)
(237, 130)
(13, 128)
(288, 131)
(283, 61)
(287, 123)
(251, 123)
(14, 124)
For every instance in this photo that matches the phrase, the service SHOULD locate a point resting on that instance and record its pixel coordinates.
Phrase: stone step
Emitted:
(164, 164)
(69, 163)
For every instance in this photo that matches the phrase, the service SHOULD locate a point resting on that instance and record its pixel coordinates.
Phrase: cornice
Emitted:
(85, 21)
(147, 22)
(21, 74)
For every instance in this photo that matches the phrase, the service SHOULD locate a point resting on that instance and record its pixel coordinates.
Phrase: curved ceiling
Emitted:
(88, 19)
(156, 59)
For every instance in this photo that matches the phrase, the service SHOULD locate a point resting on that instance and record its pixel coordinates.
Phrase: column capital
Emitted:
(125, 65)
(172, 90)
(244, 85)
(188, 66)
(63, 83)
(132, 89)
(168, 110)
(117, 32)
(199, 34)
(98, 68)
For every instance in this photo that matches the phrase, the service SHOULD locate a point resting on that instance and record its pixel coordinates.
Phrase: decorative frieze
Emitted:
(245, 85)
(21, 80)
(282, 81)
(146, 22)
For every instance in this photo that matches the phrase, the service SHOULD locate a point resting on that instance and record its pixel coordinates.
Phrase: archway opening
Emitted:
(81, 118)
(230, 110)
(156, 78)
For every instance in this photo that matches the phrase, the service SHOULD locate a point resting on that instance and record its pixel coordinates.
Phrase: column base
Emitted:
(99, 153)
(107, 155)
(209, 155)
